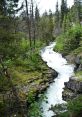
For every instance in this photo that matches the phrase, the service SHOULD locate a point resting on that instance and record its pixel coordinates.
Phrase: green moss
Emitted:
(77, 51)
(78, 74)
(21, 77)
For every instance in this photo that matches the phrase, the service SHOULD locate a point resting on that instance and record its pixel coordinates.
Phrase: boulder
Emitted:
(74, 85)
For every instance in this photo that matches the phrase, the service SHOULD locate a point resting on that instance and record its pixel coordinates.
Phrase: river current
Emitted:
(53, 94)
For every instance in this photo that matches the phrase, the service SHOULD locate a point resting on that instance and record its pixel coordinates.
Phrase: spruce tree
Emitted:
(57, 20)
(51, 25)
(78, 10)
(64, 10)
(57, 14)
(3, 8)
(37, 15)
(37, 22)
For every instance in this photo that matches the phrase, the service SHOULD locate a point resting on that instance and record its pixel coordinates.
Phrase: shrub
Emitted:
(70, 40)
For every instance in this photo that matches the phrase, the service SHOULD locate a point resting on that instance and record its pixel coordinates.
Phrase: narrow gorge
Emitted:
(53, 94)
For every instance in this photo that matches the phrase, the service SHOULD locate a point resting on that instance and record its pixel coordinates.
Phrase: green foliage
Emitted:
(24, 63)
(75, 106)
(67, 24)
(59, 44)
(78, 75)
(78, 8)
(31, 97)
(65, 114)
(77, 51)
(2, 108)
(46, 27)
(34, 110)
(26, 70)
(58, 109)
(69, 40)
(64, 10)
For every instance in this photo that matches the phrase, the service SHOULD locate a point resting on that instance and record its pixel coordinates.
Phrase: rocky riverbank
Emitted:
(73, 88)
(46, 78)
(27, 82)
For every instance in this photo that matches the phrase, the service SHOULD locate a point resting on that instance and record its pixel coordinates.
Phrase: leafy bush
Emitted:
(70, 40)
(34, 110)
(74, 108)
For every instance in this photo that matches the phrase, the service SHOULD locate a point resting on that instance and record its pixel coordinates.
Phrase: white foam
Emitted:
(54, 92)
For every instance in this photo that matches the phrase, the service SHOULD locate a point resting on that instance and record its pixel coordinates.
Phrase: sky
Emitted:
(45, 5)
(51, 4)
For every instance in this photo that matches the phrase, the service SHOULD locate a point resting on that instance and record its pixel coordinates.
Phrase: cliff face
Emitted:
(74, 85)
(73, 88)
(76, 60)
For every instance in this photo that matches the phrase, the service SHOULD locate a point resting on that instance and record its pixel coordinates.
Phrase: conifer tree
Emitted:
(37, 22)
(3, 8)
(28, 22)
(66, 22)
(57, 14)
(64, 10)
(78, 10)
(8, 25)
(51, 25)
(57, 20)
(37, 15)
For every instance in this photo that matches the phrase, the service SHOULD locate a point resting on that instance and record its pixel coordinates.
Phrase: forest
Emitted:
(24, 76)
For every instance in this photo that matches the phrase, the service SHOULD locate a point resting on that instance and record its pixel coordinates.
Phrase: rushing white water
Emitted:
(54, 92)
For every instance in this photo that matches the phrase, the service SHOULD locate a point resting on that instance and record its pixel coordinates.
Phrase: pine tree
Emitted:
(9, 45)
(37, 22)
(51, 25)
(37, 15)
(57, 20)
(64, 10)
(12, 4)
(3, 8)
(9, 7)
(33, 22)
(78, 10)
(67, 23)
(44, 29)
(28, 22)
(64, 24)
(8, 25)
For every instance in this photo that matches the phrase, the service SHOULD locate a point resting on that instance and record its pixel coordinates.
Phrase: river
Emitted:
(54, 93)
